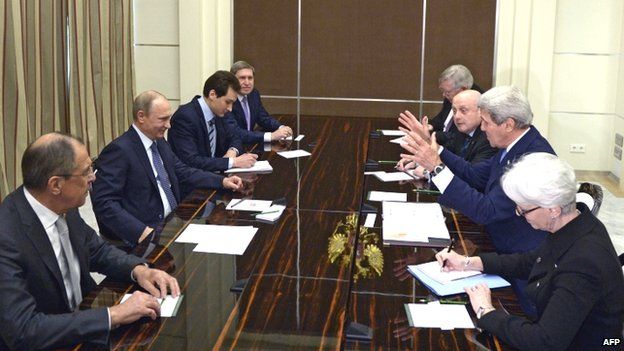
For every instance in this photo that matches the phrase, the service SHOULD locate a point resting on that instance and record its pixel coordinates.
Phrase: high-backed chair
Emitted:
(591, 195)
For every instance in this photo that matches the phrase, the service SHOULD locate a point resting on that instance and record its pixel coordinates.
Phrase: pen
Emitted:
(426, 191)
(388, 162)
(453, 302)
(238, 202)
(447, 251)
(263, 213)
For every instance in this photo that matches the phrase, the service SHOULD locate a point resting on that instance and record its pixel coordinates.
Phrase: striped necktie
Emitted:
(212, 137)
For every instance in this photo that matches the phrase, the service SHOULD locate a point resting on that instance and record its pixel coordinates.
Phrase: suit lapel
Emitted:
(203, 127)
(141, 153)
(31, 225)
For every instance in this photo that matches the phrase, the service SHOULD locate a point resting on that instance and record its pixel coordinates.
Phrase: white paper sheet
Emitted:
(420, 220)
(168, 306)
(374, 172)
(370, 220)
(432, 270)
(260, 166)
(271, 214)
(299, 137)
(392, 132)
(436, 315)
(398, 141)
(195, 233)
(393, 176)
(294, 153)
(386, 196)
(234, 243)
(249, 205)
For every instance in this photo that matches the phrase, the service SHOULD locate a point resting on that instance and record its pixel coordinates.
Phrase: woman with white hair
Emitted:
(574, 277)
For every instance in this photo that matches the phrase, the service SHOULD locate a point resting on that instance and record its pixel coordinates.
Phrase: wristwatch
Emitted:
(481, 310)
(437, 169)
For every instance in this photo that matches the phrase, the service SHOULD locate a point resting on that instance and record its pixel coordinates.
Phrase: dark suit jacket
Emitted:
(437, 122)
(125, 194)
(188, 137)
(478, 148)
(258, 116)
(476, 192)
(576, 282)
(34, 311)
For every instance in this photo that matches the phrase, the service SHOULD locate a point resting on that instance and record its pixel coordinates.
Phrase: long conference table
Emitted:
(315, 279)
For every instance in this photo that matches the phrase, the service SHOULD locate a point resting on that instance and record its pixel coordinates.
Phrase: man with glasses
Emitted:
(47, 252)
(474, 189)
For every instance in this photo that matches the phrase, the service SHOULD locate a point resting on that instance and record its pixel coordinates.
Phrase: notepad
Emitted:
(249, 205)
(370, 220)
(457, 286)
(234, 243)
(386, 196)
(392, 132)
(294, 153)
(260, 166)
(436, 315)
(196, 233)
(393, 176)
(414, 224)
(168, 306)
(271, 214)
(432, 269)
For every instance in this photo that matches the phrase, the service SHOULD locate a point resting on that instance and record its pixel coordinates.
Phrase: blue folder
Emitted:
(457, 286)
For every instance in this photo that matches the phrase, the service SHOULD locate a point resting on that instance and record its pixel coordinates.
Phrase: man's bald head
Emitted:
(466, 111)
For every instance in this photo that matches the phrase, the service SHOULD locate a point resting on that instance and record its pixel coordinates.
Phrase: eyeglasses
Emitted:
(84, 174)
(522, 213)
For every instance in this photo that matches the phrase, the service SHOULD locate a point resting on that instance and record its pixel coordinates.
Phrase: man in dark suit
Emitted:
(474, 189)
(201, 134)
(47, 252)
(140, 180)
(248, 111)
(453, 80)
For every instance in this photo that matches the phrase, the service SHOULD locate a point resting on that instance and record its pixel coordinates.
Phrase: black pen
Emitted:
(238, 202)
(447, 251)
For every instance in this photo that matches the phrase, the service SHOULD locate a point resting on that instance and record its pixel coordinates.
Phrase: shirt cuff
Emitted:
(109, 319)
(267, 137)
(230, 162)
(443, 179)
(440, 149)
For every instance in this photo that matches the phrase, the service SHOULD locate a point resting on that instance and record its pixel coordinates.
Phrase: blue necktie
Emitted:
(246, 110)
(212, 137)
(503, 154)
(464, 148)
(163, 177)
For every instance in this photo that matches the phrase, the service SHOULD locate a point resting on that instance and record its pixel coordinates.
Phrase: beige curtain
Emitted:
(87, 92)
(33, 85)
(101, 74)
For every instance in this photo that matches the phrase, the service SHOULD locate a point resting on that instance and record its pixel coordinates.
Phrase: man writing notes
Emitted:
(47, 252)
(474, 189)
(249, 112)
(140, 179)
(201, 135)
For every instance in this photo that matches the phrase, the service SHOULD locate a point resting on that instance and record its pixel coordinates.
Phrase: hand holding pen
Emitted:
(450, 247)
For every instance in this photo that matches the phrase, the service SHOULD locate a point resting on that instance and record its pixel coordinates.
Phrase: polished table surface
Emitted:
(313, 276)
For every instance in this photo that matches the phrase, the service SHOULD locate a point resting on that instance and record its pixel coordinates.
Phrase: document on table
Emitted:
(260, 166)
(271, 214)
(436, 315)
(370, 220)
(393, 176)
(168, 306)
(414, 224)
(386, 196)
(249, 205)
(294, 153)
(392, 132)
(457, 286)
(196, 233)
(298, 138)
(432, 269)
(233, 243)
(399, 140)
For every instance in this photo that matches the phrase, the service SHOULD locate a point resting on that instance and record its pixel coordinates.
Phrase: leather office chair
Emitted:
(591, 195)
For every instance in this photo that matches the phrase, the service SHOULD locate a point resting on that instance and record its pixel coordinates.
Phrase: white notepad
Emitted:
(168, 307)
(249, 205)
(271, 214)
(294, 153)
(260, 166)
(436, 315)
(386, 196)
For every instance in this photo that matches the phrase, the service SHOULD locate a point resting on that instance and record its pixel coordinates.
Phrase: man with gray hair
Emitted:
(248, 111)
(453, 80)
(474, 189)
(47, 252)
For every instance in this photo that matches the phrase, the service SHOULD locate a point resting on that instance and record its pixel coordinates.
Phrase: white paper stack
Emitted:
(222, 239)
(436, 315)
(386, 196)
(392, 132)
(393, 176)
(249, 205)
(271, 214)
(260, 166)
(294, 153)
(432, 269)
(168, 307)
(414, 224)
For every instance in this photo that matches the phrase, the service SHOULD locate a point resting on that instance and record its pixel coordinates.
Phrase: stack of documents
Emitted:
(451, 283)
(414, 224)
(392, 176)
(386, 196)
(260, 166)
(294, 153)
(249, 205)
(168, 306)
(271, 214)
(436, 315)
(392, 132)
(222, 239)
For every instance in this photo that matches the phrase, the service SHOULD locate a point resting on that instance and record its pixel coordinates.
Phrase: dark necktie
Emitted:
(70, 268)
(162, 176)
(464, 148)
(212, 137)
(503, 154)
(246, 110)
